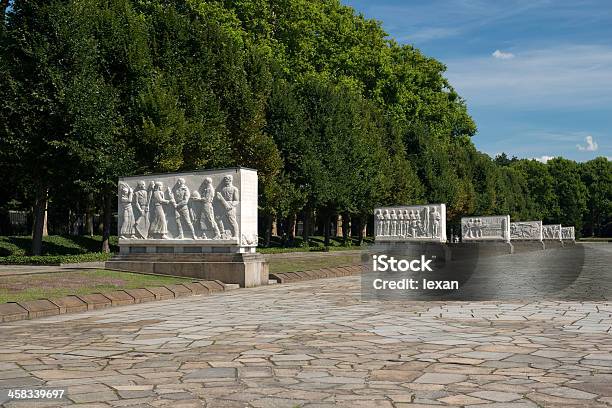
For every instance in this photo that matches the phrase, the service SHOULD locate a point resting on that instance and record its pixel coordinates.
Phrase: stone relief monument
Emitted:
(526, 230)
(205, 209)
(490, 228)
(552, 232)
(200, 224)
(411, 223)
(568, 233)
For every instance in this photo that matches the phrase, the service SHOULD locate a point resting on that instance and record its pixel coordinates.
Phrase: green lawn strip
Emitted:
(310, 263)
(54, 259)
(54, 245)
(54, 285)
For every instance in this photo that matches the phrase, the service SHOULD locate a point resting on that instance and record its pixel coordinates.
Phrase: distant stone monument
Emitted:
(416, 223)
(568, 234)
(526, 236)
(180, 222)
(489, 228)
(552, 235)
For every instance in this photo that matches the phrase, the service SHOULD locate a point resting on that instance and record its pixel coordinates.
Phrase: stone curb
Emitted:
(33, 309)
(288, 277)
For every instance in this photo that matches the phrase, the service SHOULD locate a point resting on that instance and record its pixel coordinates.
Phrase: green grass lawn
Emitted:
(56, 249)
(55, 285)
(70, 249)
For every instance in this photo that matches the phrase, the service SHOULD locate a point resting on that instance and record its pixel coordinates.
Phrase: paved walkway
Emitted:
(315, 344)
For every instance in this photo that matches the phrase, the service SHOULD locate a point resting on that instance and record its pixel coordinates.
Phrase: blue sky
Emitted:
(536, 74)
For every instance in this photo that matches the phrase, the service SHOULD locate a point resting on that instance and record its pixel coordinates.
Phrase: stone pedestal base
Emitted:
(412, 250)
(553, 244)
(528, 246)
(569, 242)
(480, 249)
(247, 270)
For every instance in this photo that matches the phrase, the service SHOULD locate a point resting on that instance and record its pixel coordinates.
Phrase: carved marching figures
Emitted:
(552, 231)
(125, 206)
(526, 230)
(490, 228)
(411, 223)
(208, 212)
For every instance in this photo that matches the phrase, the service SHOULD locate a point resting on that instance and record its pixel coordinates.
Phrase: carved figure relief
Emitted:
(378, 220)
(486, 228)
(424, 222)
(180, 199)
(208, 223)
(141, 201)
(125, 203)
(190, 206)
(526, 230)
(568, 233)
(229, 198)
(159, 224)
(552, 231)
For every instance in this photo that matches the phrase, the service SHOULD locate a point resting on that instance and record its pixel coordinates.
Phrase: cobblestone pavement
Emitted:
(315, 344)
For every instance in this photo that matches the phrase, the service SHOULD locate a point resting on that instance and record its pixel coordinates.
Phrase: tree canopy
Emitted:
(336, 116)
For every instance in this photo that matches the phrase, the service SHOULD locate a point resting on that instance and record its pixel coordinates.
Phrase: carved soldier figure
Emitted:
(469, 226)
(229, 199)
(379, 222)
(435, 222)
(141, 200)
(207, 214)
(180, 199)
(126, 195)
(387, 224)
(159, 225)
(413, 224)
(393, 223)
(401, 228)
(406, 223)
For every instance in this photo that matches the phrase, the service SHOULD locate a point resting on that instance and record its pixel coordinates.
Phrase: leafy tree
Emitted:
(596, 174)
(570, 191)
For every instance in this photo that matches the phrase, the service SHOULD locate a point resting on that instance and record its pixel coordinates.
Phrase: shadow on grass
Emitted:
(54, 245)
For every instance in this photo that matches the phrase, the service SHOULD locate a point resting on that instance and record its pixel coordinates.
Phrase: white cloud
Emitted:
(591, 145)
(562, 77)
(502, 55)
(544, 159)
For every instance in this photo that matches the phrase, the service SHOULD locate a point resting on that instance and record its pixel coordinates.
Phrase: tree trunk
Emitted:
(106, 226)
(360, 230)
(40, 220)
(89, 216)
(346, 227)
(326, 228)
(269, 226)
(306, 225)
(291, 226)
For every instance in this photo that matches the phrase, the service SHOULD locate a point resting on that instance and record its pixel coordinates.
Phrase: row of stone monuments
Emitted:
(427, 223)
(204, 224)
